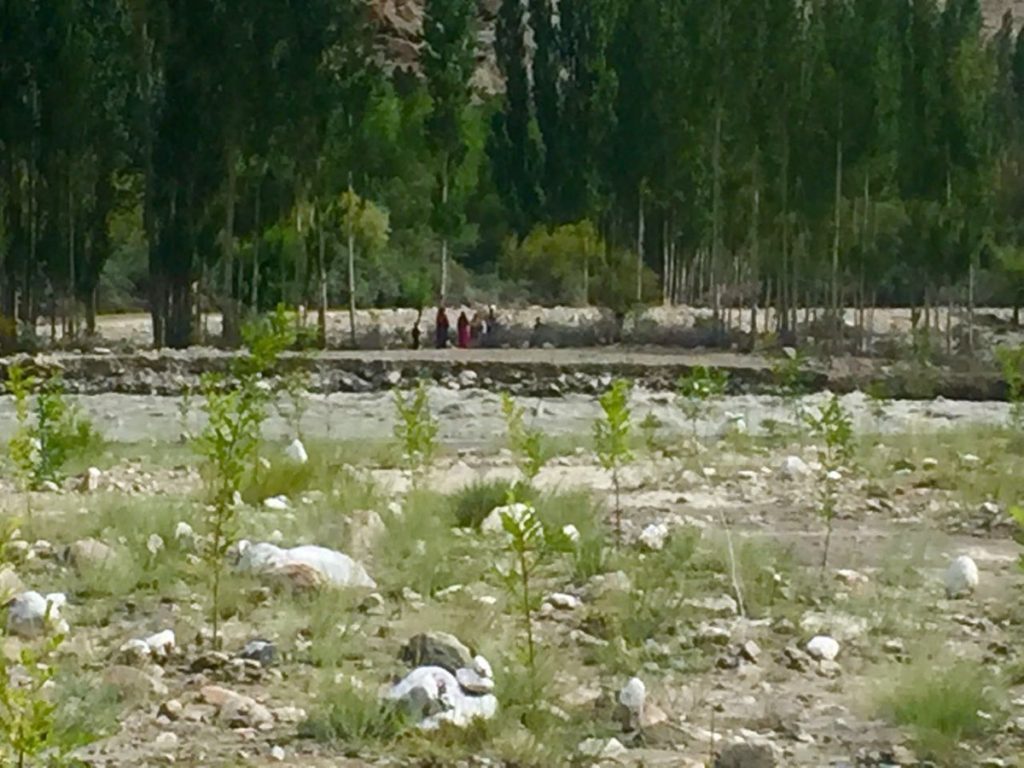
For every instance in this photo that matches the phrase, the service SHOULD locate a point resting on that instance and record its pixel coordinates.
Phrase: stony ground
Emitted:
(720, 641)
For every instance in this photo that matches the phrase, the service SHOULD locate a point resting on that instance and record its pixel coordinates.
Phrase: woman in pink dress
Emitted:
(463, 329)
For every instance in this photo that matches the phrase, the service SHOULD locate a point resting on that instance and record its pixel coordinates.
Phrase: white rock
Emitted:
(961, 577)
(601, 749)
(571, 532)
(134, 652)
(395, 509)
(278, 754)
(834, 476)
(426, 688)
(365, 529)
(483, 667)
(89, 480)
(154, 544)
(31, 615)
(184, 535)
(277, 503)
(653, 537)
(296, 452)
(823, 648)
(970, 459)
(990, 508)
(338, 569)
(467, 379)
(167, 740)
(929, 463)
(633, 696)
(162, 644)
(472, 682)
(793, 467)
(563, 601)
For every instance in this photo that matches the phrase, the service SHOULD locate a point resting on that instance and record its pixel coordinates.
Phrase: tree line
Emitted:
(736, 154)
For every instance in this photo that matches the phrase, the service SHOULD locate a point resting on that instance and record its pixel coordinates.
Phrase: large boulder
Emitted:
(437, 649)
(316, 565)
(433, 696)
(88, 553)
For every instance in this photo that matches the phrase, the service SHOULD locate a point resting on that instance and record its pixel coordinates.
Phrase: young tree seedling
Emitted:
(833, 427)
(697, 389)
(523, 441)
(611, 438)
(416, 428)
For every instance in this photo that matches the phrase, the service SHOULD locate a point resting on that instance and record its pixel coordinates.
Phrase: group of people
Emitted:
(468, 332)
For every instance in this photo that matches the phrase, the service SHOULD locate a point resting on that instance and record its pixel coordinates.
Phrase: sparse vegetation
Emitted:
(525, 442)
(696, 390)
(1011, 360)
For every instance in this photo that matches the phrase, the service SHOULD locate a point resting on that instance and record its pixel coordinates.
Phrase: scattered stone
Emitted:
(796, 659)
(88, 553)
(472, 682)
(172, 709)
(723, 605)
(823, 647)
(30, 615)
(10, 584)
(235, 709)
(365, 528)
(333, 567)
(631, 700)
(290, 715)
(653, 537)
(601, 749)
(746, 756)
(929, 463)
(563, 601)
(133, 683)
(432, 696)
(277, 754)
(262, 651)
(793, 467)
(851, 577)
(712, 634)
(894, 647)
(970, 459)
(134, 652)
(467, 379)
(571, 532)
(483, 667)
(750, 651)
(44, 550)
(608, 583)
(166, 741)
(161, 644)
(296, 452)
(154, 544)
(437, 649)
(829, 669)
(210, 661)
(184, 535)
(961, 577)
(89, 481)
(277, 504)
(49, 486)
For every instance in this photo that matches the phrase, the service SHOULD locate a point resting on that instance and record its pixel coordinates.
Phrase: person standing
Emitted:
(463, 331)
(441, 329)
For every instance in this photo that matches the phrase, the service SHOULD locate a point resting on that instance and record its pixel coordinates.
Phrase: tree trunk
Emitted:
(257, 240)
(836, 238)
(91, 311)
(444, 235)
(71, 262)
(970, 307)
(231, 326)
(351, 265)
(321, 262)
(640, 245)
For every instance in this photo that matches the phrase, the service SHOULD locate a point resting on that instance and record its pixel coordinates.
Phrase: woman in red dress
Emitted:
(463, 329)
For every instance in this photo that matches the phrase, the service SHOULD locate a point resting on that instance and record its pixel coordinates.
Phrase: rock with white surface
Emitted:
(961, 577)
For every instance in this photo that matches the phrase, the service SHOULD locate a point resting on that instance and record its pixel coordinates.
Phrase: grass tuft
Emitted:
(353, 719)
(943, 703)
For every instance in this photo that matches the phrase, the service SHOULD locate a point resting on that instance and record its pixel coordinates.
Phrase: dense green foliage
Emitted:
(749, 154)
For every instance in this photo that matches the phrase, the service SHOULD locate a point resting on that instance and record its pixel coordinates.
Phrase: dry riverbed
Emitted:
(756, 658)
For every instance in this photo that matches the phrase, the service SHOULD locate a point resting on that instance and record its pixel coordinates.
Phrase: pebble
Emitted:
(166, 740)
(296, 452)
(793, 467)
(750, 651)
(563, 601)
(653, 537)
(172, 709)
(961, 577)
(277, 753)
(823, 647)
(277, 503)
(262, 651)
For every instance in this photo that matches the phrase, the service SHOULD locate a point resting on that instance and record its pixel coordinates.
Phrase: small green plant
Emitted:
(416, 428)
(699, 387)
(526, 541)
(354, 718)
(790, 378)
(230, 446)
(473, 503)
(50, 429)
(185, 414)
(611, 438)
(878, 400)
(294, 402)
(649, 428)
(833, 427)
(525, 442)
(1011, 360)
(27, 710)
